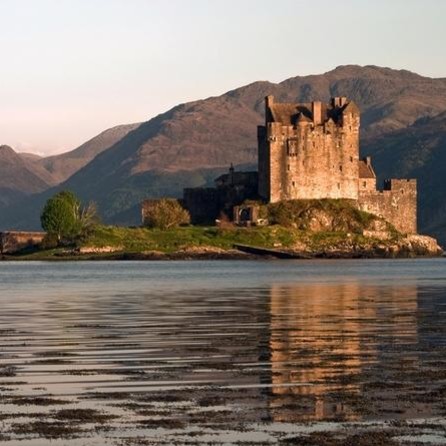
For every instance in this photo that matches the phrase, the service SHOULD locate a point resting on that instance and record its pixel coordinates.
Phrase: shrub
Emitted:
(164, 213)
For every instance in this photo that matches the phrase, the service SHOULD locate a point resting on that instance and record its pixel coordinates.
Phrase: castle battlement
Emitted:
(400, 185)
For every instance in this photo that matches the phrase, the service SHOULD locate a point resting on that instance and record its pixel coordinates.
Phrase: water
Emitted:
(222, 352)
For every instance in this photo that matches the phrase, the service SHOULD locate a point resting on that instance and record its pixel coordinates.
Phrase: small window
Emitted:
(340, 168)
(339, 185)
(364, 183)
(351, 159)
(288, 167)
(294, 184)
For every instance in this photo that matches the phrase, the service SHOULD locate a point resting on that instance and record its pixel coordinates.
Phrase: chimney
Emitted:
(317, 112)
(269, 100)
(368, 160)
(338, 101)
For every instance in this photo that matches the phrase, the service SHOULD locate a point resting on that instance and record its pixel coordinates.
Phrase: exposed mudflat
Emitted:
(310, 353)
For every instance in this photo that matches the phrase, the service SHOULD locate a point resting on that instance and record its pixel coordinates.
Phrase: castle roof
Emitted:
(366, 170)
(287, 113)
(237, 178)
(290, 113)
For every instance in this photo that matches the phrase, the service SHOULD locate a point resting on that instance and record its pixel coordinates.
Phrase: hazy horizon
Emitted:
(72, 69)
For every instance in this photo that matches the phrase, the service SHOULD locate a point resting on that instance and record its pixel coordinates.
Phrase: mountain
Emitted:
(62, 166)
(18, 177)
(30, 156)
(191, 142)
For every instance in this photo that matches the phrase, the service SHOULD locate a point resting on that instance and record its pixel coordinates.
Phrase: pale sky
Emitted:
(72, 68)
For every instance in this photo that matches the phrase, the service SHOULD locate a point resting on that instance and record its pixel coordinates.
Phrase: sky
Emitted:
(73, 68)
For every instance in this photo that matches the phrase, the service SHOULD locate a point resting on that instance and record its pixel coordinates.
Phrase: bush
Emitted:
(164, 213)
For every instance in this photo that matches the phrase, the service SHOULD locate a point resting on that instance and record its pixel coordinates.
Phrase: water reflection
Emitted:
(330, 336)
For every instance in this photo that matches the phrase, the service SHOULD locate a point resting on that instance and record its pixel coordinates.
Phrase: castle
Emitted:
(310, 151)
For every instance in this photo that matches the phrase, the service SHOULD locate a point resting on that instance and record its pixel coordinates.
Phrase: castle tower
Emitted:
(309, 150)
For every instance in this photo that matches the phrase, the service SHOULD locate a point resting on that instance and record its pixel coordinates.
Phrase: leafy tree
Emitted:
(59, 216)
(65, 217)
(164, 213)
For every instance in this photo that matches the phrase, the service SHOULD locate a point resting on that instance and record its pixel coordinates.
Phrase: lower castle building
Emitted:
(309, 151)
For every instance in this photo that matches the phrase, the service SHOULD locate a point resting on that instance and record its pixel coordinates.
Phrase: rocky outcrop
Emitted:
(372, 247)
(99, 249)
(423, 245)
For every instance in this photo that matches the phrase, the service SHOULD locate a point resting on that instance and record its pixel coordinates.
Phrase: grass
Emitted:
(140, 240)
(170, 240)
(292, 229)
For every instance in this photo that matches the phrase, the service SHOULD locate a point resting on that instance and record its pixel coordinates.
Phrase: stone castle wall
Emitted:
(203, 204)
(313, 157)
(397, 204)
(14, 241)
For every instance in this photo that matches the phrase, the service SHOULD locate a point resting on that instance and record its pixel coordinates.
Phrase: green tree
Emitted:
(60, 215)
(164, 213)
(65, 217)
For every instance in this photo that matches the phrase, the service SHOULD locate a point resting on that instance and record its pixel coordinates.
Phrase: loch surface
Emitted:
(222, 352)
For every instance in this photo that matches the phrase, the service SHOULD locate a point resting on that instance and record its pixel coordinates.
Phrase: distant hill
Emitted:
(188, 143)
(62, 166)
(18, 178)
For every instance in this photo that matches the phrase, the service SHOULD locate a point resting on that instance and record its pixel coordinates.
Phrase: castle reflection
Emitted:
(327, 340)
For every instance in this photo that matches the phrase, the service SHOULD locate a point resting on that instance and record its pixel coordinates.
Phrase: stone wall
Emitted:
(312, 153)
(205, 205)
(397, 204)
(14, 241)
(202, 203)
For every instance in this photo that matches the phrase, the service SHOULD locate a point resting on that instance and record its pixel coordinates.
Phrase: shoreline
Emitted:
(197, 255)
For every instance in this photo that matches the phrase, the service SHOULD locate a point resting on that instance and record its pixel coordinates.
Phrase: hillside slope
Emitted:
(62, 166)
(17, 177)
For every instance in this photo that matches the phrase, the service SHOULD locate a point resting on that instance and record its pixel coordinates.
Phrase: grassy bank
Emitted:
(105, 241)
